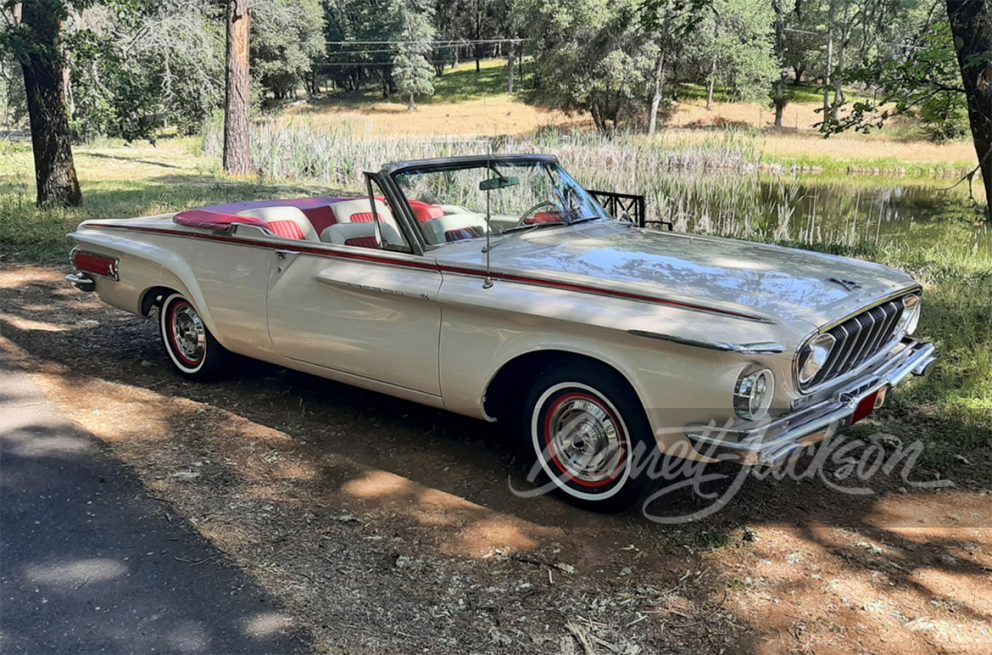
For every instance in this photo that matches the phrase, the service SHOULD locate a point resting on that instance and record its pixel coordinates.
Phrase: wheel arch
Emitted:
(154, 296)
(504, 393)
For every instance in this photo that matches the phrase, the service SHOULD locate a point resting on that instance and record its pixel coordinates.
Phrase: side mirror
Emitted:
(495, 183)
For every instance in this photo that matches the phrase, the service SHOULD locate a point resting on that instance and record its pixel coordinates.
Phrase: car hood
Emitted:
(784, 285)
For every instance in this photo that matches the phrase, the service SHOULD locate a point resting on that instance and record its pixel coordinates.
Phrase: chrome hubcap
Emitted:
(586, 440)
(188, 333)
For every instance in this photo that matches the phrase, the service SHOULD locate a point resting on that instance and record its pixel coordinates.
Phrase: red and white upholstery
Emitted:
(424, 212)
(360, 234)
(455, 227)
(285, 222)
(359, 210)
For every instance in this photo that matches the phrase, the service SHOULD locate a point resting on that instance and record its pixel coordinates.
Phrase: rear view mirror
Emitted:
(496, 183)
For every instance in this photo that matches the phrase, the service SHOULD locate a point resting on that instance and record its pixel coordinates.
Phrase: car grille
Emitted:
(859, 338)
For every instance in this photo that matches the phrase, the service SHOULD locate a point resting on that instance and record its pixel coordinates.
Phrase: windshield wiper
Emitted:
(533, 226)
(520, 229)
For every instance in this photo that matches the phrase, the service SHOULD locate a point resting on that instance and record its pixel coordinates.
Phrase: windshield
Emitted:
(451, 203)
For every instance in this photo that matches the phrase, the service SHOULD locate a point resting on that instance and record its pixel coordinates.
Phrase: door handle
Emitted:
(283, 255)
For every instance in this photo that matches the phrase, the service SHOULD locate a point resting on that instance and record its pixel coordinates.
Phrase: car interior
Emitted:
(350, 222)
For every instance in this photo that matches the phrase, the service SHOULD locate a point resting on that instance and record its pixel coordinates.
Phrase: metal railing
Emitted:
(627, 207)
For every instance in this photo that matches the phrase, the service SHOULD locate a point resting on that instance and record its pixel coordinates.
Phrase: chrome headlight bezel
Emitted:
(813, 356)
(910, 318)
(753, 393)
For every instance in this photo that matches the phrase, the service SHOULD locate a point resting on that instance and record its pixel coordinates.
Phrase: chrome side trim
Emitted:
(760, 348)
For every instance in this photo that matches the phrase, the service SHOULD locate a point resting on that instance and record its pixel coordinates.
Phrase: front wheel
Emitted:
(584, 428)
(191, 347)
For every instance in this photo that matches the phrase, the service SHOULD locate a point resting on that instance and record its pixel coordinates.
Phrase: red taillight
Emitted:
(89, 262)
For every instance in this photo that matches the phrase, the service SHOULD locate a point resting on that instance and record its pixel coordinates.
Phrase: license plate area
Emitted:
(868, 404)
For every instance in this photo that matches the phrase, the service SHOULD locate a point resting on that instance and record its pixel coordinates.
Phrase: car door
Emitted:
(364, 311)
(232, 278)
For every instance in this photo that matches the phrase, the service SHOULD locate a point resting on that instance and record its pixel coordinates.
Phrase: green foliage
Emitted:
(919, 77)
(361, 20)
(590, 55)
(412, 70)
(732, 45)
(287, 36)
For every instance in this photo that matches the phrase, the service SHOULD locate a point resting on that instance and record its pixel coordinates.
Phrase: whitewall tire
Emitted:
(584, 429)
(190, 346)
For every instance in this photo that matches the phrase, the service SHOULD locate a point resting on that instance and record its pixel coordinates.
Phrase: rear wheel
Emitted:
(191, 347)
(583, 428)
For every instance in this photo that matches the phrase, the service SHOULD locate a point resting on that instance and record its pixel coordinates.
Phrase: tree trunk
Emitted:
(838, 76)
(712, 83)
(797, 74)
(237, 111)
(659, 88)
(411, 105)
(971, 25)
(478, 36)
(779, 99)
(779, 112)
(510, 59)
(54, 169)
(827, 77)
(827, 81)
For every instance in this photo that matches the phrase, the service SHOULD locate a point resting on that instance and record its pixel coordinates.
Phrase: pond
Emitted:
(815, 210)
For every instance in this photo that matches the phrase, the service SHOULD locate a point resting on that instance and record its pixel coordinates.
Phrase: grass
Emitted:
(804, 93)
(118, 181)
(459, 83)
(462, 82)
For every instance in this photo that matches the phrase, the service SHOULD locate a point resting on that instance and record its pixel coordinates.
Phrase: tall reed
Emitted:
(709, 186)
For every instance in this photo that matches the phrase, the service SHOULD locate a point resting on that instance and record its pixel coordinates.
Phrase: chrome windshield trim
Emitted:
(759, 348)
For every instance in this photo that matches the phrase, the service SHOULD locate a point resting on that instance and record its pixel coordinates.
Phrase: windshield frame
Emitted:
(549, 162)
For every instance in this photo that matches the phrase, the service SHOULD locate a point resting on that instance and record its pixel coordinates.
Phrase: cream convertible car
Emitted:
(499, 288)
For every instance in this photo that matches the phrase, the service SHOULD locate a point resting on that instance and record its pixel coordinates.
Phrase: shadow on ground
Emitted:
(321, 491)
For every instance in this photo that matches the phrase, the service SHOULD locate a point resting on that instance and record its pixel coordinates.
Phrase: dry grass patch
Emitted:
(485, 117)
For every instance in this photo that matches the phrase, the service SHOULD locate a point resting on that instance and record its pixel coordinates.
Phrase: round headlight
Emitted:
(814, 356)
(910, 314)
(753, 393)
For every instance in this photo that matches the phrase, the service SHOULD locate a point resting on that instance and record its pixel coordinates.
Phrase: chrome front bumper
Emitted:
(779, 438)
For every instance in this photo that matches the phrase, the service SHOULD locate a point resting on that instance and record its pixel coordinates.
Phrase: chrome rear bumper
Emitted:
(81, 281)
(777, 439)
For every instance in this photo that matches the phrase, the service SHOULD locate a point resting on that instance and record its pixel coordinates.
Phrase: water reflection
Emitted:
(814, 211)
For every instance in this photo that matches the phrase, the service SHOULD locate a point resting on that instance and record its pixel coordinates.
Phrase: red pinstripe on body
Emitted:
(442, 268)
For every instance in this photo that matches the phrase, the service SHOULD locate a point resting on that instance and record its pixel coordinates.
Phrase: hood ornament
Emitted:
(849, 285)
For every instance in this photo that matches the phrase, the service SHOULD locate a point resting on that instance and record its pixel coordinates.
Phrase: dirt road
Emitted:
(384, 526)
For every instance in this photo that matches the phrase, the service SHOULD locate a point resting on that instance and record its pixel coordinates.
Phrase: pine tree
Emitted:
(412, 70)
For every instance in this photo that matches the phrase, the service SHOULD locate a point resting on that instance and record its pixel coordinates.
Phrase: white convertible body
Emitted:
(395, 295)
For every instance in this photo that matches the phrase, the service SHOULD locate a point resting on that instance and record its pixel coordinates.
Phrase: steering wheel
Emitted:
(533, 210)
